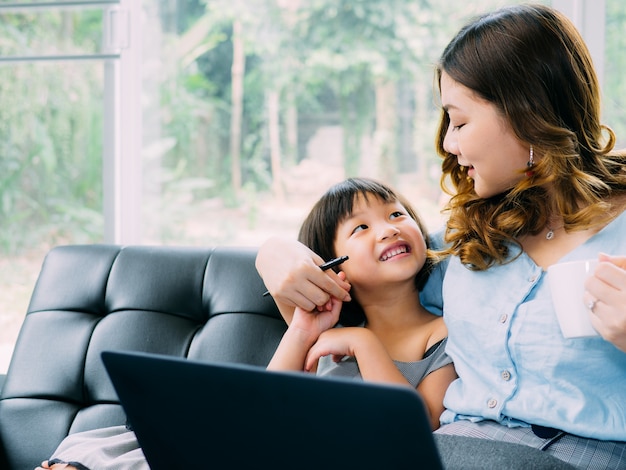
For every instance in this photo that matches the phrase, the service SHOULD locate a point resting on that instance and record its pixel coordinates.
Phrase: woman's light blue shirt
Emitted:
(514, 365)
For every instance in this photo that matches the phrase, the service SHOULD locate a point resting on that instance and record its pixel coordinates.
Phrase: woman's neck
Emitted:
(554, 242)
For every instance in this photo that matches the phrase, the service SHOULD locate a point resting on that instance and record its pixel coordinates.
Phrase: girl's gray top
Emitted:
(414, 372)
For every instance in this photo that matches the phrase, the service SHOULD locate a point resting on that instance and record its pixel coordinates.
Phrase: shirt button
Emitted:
(532, 278)
(506, 375)
(503, 318)
(492, 403)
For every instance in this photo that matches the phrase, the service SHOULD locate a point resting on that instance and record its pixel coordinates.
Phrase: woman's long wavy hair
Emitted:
(532, 64)
(319, 229)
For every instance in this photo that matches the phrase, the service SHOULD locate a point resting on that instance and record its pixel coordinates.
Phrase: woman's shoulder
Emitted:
(436, 239)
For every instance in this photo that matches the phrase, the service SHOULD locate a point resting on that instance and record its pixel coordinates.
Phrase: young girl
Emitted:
(385, 334)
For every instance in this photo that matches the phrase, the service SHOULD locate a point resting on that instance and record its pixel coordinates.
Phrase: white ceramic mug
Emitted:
(567, 284)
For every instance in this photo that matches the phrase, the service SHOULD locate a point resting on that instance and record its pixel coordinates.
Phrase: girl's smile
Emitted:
(398, 249)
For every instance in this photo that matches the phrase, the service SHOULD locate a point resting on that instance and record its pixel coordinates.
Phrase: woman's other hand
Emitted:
(608, 287)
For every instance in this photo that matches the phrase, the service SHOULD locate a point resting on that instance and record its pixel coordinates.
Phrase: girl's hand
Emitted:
(314, 323)
(374, 362)
(303, 331)
(608, 287)
(340, 342)
(55, 466)
(291, 273)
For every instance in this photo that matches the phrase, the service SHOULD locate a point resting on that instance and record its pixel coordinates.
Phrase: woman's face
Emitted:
(482, 140)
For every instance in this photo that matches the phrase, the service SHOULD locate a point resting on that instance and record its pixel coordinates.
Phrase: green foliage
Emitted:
(346, 34)
(327, 55)
(51, 32)
(50, 148)
(614, 111)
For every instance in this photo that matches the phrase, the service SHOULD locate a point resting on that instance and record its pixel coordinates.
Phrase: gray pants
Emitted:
(465, 444)
(468, 453)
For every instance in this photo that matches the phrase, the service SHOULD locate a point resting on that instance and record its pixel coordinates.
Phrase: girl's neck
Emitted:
(393, 308)
(403, 326)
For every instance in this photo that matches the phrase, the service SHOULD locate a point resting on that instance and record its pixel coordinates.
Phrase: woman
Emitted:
(534, 181)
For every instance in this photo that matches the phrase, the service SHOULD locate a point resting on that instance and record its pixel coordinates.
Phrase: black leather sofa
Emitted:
(200, 303)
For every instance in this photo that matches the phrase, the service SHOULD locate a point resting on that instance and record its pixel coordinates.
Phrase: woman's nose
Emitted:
(450, 143)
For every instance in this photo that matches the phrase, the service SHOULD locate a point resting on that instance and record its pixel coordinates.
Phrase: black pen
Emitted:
(324, 267)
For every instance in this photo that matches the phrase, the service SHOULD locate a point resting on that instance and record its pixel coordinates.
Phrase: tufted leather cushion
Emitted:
(201, 303)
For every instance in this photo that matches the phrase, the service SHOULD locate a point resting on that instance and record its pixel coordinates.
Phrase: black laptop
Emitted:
(196, 415)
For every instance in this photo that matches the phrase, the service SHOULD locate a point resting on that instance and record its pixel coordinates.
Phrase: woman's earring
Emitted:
(531, 163)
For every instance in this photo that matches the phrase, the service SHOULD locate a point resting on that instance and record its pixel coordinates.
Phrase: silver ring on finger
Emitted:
(592, 304)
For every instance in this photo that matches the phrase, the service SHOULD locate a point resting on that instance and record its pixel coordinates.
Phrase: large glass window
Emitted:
(255, 107)
(614, 85)
(54, 61)
(249, 110)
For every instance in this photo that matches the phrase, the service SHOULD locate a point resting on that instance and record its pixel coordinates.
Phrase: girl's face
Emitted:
(482, 140)
(383, 241)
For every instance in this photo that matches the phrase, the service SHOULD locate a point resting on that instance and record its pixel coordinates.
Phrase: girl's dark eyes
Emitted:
(392, 215)
(456, 128)
(358, 228)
